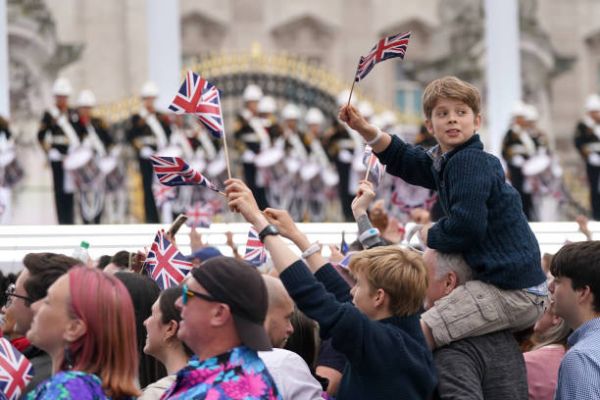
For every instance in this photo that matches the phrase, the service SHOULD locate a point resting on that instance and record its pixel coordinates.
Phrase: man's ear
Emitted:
(450, 282)
(220, 315)
(585, 295)
(74, 330)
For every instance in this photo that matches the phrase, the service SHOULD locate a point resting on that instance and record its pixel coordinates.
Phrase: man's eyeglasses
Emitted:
(10, 293)
(186, 293)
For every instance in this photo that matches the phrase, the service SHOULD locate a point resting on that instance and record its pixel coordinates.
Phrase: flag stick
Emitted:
(369, 166)
(226, 154)
(351, 90)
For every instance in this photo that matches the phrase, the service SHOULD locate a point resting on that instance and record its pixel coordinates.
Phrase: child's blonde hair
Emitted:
(450, 87)
(399, 272)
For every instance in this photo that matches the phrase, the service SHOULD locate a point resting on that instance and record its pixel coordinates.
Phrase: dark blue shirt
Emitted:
(484, 219)
(387, 359)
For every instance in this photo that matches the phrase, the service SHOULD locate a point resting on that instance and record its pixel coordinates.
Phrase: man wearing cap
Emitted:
(148, 133)
(587, 141)
(58, 135)
(223, 308)
(250, 139)
(95, 136)
(518, 146)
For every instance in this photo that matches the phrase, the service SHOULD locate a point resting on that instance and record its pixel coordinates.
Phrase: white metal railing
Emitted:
(18, 240)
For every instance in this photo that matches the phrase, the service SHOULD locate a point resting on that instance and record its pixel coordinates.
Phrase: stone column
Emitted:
(503, 67)
(164, 48)
(4, 85)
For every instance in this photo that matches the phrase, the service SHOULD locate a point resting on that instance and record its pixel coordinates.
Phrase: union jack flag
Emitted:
(163, 194)
(388, 47)
(375, 168)
(255, 250)
(173, 171)
(199, 97)
(200, 215)
(165, 264)
(15, 371)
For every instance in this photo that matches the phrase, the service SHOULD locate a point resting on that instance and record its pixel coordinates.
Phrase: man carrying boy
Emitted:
(380, 334)
(483, 220)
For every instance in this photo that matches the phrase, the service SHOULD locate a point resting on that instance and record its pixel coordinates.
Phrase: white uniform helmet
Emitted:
(267, 105)
(252, 93)
(531, 113)
(519, 109)
(62, 87)
(592, 103)
(86, 99)
(149, 89)
(290, 111)
(314, 116)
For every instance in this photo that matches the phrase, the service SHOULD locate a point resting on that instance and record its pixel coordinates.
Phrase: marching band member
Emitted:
(149, 132)
(518, 146)
(250, 139)
(587, 141)
(296, 156)
(340, 148)
(95, 136)
(57, 135)
(316, 192)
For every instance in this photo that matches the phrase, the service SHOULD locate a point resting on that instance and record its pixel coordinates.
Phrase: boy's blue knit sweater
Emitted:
(484, 219)
(387, 359)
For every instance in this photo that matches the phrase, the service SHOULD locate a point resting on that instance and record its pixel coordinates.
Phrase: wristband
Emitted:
(313, 249)
(377, 138)
(369, 233)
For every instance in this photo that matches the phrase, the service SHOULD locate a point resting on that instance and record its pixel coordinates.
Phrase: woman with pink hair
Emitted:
(86, 324)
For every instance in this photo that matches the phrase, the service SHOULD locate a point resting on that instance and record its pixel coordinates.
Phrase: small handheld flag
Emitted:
(255, 249)
(15, 371)
(173, 171)
(201, 98)
(344, 246)
(165, 264)
(374, 167)
(388, 47)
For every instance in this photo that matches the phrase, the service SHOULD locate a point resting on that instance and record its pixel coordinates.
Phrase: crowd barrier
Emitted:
(18, 240)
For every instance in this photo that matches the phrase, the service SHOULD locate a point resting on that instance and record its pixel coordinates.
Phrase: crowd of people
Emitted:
(475, 313)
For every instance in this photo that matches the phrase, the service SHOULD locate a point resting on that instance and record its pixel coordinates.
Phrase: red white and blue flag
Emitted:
(200, 215)
(255, 249)
(173, 171)
(375, 168)
(15, 371)
(165, 264)
(388, 47)
(201, 98)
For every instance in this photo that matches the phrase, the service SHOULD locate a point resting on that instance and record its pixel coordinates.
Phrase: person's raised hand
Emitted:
(353, 118)
(196, 242)
(420, 215)
(364, 197)
(284, 223)
(336, 255)
(240, 199)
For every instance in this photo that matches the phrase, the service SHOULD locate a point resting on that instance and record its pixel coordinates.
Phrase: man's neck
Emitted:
(216, 347)
(586, 317)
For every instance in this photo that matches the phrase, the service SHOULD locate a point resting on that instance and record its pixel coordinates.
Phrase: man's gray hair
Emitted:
(453, 262)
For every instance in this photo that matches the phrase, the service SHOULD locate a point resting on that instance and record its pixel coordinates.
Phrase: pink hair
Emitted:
(108, 348)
